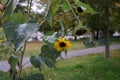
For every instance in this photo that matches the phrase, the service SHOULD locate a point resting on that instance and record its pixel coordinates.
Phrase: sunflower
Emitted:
(62, 44)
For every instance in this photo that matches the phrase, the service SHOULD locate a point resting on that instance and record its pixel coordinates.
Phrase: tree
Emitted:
(106, 11)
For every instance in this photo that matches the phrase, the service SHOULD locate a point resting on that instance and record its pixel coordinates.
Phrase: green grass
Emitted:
(33, 48)
(77, 45)
(4, 76)
(115, 40)
(89, 67)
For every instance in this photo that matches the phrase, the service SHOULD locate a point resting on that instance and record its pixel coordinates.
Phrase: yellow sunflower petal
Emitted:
(62, 39)
(62, 44)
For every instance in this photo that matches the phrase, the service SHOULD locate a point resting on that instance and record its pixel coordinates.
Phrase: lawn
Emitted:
(88, 67)
(4, 76)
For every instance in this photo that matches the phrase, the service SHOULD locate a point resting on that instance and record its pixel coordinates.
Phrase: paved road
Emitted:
(4, 66)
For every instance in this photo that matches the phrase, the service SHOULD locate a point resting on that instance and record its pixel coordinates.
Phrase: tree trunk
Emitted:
(107, 39)
(107, 43)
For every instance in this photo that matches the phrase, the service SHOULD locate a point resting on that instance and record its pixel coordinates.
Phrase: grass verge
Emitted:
(89, 67)
(4, 76)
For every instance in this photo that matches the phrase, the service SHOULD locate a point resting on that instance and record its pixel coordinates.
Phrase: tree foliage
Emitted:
(106, 19)
(98, 21)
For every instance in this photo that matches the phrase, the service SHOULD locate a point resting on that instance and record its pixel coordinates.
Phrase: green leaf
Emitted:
(49, 51)
(50, 18)
(46, 51)
(50, 55)
(87, 8)
(7, 12)
(65, 7)
(18, 18)
(9, 9)
(37, 61)
(51, 38)
(13, 60)
(55, 6)
(53, 9)
(62, 28)
(48, 33)
(49, 63)
(18, 34)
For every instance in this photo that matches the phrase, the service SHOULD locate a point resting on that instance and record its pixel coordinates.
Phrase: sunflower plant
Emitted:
(50, 51)
(19, 27)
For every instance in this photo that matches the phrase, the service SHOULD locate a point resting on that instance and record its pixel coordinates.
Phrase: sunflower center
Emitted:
(79, 9)
(62, 44)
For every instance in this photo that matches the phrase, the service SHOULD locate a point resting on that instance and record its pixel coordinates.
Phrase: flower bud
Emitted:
(79, 10)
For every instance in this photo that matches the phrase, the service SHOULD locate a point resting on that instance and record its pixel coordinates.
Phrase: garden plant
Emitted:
(18, 25)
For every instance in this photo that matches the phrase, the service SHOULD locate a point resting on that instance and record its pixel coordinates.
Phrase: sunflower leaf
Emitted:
(87, 8)
(55, 6)
(18, 18)
(50, 18)
(18, 34)
(9, 9)
(65, 7)
(37, 61)
(50, 55)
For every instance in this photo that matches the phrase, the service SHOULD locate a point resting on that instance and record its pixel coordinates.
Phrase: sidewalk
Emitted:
(4, 66)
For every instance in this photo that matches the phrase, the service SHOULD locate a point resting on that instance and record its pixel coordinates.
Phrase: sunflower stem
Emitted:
(73, 11)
